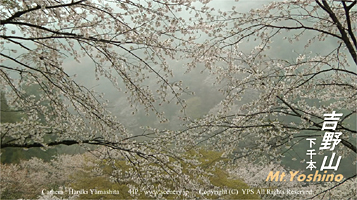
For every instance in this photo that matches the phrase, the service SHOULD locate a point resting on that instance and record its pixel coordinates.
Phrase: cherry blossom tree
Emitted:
(297, 61)
(35, 178)
(28, 178)
(128, 43)
(274, 98)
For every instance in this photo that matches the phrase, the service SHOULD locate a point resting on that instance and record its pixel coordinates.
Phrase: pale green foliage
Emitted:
(28, 178)
(86, 171)
(7, 115)
(207, 160)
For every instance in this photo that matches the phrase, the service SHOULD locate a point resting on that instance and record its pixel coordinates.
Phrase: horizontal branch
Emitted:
(34, 145)
(20, 13)
(349, 178)
(96, 142)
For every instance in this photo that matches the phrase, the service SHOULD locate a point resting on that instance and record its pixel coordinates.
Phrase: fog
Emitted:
(203, 96)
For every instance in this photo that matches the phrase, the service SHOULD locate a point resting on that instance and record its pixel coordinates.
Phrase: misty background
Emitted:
(202, 97)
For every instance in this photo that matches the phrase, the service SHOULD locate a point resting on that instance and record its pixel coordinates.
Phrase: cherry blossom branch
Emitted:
(343, 141)
(349, 23)
(337, 185)
(344, 37)
(20, 13)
